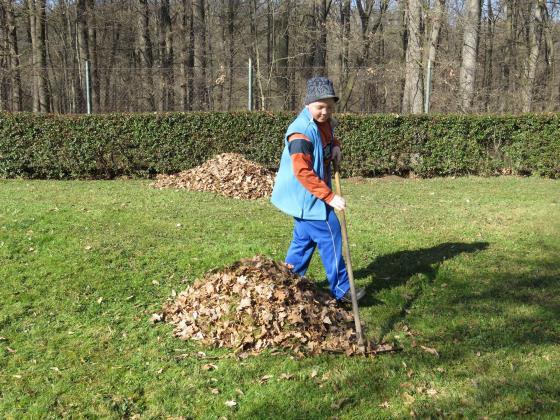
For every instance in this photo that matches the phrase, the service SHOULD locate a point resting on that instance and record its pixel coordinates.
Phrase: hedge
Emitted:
(142, 145)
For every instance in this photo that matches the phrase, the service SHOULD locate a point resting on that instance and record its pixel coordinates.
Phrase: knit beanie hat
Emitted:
(319, 88)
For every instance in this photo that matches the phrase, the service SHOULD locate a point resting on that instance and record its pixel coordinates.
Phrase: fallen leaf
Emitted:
(17, 376)
(252, 306)
(408, 399)
(215, 391)
(209, 366)
(10, 350)
(313, 373)
(100, 300)
(156, 318)
(286, 376)
(384, 404)
(431, 392)
(265, 379)
(430, 350)
(231, 403)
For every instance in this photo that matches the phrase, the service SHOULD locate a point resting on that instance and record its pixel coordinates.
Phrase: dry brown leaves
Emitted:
(257, 304)
(228, 174)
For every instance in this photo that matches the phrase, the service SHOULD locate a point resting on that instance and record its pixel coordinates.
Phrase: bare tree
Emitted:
(186, 54)
(92, 54)
(433, 42)
(487, 81)
(165, 55)
(283, 49)
(13, 51)
(322, 10)
(145, 57)
(345, 10)
(413, 86)
(201, 30)
(37, 19)
(467, 74)
(82, 48)
(535, 30)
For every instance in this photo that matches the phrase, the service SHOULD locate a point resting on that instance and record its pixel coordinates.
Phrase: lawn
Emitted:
(462, 274)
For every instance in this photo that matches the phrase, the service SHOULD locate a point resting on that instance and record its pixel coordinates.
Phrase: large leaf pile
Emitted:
(229, 174)
(257, 304)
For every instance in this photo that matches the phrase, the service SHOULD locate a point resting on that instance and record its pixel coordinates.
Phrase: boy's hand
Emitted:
(337, 202)
(336, 154)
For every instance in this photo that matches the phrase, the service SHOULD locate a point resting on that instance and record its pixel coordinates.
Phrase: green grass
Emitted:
(468, 266)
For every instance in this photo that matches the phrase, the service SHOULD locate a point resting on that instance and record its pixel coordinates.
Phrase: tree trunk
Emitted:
(109, 101)
(145, 58)
(186, 13)
(345, 19)
(166, 57)
(282, 51)
(92, 53)
(467, 74)
(439, 7)
(310, 26)
(200, 29)
(233, 6)
(323, 10)
(34, 54)
(489, 57)
(549, 57)
(534, 47)
(413, 86)
(83, 50)
(13, 50)
(4, 61)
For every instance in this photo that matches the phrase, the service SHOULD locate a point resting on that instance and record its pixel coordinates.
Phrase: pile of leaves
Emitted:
(256, 304)
(229, 174)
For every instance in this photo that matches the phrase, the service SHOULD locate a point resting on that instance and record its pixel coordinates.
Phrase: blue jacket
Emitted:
(288, 194)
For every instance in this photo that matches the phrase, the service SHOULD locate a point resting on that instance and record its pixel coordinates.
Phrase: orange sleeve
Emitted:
(302, 164)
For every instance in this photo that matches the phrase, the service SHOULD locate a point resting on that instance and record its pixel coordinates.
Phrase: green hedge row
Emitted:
(142, 145)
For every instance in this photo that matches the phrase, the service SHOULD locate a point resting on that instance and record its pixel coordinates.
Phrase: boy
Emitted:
(303, 188)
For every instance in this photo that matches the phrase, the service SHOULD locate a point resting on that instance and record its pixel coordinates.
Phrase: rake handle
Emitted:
(346, 252)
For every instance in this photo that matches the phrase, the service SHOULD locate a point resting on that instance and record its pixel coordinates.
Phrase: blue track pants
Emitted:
(326, 235)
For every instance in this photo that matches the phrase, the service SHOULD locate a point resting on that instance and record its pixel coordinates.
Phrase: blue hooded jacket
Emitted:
(288, 194)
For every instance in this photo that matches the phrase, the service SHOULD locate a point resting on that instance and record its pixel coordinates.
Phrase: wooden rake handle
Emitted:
(346, 251)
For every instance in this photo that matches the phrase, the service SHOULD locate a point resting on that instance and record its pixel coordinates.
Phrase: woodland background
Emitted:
(484, 56)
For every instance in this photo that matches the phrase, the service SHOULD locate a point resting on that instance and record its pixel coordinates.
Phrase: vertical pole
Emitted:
(428, 87)
(346, 251)
(250, 86)
(88, 89)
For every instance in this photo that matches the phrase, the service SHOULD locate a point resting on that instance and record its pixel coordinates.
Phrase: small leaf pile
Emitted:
(229, 174)
(258, 303)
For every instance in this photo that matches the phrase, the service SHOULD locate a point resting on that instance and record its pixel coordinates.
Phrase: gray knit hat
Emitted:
(319, 88)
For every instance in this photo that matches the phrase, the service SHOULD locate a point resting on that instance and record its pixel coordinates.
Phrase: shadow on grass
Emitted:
(395, 269)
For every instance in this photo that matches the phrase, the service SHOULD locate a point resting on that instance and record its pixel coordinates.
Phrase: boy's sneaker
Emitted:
(347, 298)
